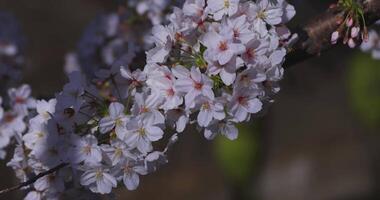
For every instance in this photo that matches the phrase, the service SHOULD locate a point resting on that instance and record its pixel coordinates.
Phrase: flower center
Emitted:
(118, 152)
(98, 174)
(226, 3)
(20, 100)
(144, 109)
(170, 92)
(250, 53)
(206, 106)
(236, 33)
(242, 100)
(142, 132)
(198, 86)
(223, 46)
(86, 149)
(261, 15)
(8, 118)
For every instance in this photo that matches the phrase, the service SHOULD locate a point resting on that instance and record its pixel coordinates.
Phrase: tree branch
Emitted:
(33, 179)
(315, 37)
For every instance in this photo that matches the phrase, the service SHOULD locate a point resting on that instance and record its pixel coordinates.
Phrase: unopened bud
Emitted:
(334, 37)
(351, 43)
(355, 32)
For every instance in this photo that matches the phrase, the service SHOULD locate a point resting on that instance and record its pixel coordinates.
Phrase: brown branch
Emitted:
(33, 179)
(315, 37)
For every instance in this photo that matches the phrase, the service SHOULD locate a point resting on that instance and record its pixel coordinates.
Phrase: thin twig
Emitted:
(33, 179)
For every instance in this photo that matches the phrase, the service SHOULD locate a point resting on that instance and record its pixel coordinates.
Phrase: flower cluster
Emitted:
(97, 138)
(11, 51)
(352, 28)
(215, 64)
(12, 120)
(219, 61)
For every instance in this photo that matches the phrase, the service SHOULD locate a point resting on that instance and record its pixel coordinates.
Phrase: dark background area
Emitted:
(313, 143)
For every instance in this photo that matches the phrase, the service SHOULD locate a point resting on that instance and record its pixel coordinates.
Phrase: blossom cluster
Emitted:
(12, 120)
(11, 51)
(219, 61)
(213, 65)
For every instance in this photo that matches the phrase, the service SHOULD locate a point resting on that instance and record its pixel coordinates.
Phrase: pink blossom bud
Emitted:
(334, 37)
(355, 32)
(351, 43)
(349, 22)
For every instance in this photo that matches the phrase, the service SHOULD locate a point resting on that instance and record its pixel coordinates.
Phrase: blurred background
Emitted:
(320, 140)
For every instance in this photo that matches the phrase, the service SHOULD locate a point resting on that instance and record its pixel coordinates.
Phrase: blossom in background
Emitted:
(21, 100)
(372, 44)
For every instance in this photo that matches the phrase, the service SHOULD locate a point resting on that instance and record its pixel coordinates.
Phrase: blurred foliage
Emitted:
(364, 89)
(237, 158)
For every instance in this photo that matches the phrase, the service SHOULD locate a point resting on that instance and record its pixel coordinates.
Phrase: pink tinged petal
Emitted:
(289, 13)
(204, 118)
(240, 113)
(181, 123)
(355, 32)
(237, 48)
(219, 14)
(190, 97)
(254, 105)
(351, 43)
(196, 74)
(183, 85)
(207, 92)
(211, 39)
(140, 170)
(116, 109)
(131, 181)
(273, 16)
(144, 146)
(157, 54)
(334, 37)
(132, 138)
(227, 78)
(121, 132)
(110, 179)
(96, 154)
(180, 72)
(106, 124)
(103, 187)
(277, 57)
(210, 134)
(125, 73)
(219, 113)
(154, 133)
(33, 195)
(225, 56)
(158, 117)
(42, 183)
(230, 131)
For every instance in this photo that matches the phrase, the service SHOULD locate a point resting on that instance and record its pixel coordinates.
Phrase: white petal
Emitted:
(131, 181)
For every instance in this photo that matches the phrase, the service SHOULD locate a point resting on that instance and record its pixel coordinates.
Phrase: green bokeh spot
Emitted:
(364, 88)
(237, 158)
